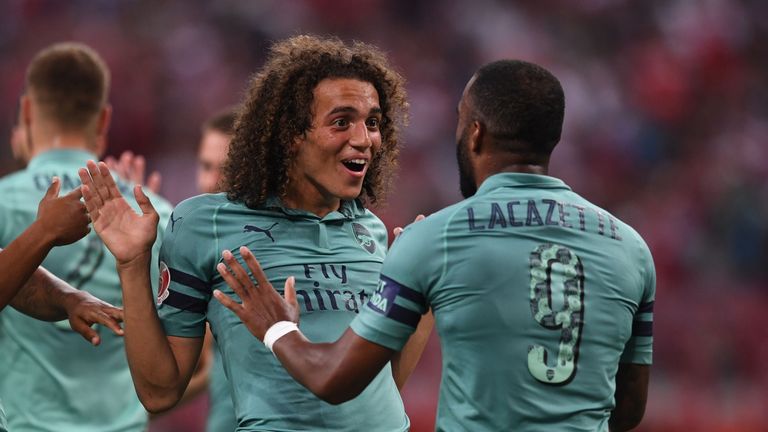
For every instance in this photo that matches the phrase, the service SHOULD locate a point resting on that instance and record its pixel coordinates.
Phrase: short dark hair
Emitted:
(223, 121)
(70, 82)
(519, 101)
(278, 109)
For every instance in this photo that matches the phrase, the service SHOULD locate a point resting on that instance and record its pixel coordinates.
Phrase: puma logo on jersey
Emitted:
(265, 231)
(173, 221)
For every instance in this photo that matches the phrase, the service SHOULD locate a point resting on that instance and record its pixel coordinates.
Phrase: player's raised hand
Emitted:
(85, 310)
(261, 305)
(126, 234)
(63, 218)
(132, 168)
(399, 230)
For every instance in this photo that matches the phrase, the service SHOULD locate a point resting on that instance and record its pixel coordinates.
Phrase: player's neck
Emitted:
(504, 162)
(309, 199)
(56, 140)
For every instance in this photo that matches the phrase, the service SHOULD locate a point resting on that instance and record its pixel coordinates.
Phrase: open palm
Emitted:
(126, 233)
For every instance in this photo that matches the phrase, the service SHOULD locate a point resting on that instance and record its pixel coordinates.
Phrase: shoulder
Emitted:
(201, 206)
(20, 193)
(436, 223)
(636, 248)
(12, 180)
(367, 224)
(629, 234)
(369, 218)
(194, 217)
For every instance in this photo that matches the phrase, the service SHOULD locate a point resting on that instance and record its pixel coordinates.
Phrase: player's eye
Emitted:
(341, 122)
(373, 123)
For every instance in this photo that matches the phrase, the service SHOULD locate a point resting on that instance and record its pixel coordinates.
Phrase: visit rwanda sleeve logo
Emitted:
(364, 237)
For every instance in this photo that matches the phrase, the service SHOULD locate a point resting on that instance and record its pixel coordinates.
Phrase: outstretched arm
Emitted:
(60, 221)
(160, 366)
(49, 298)
(335, 372)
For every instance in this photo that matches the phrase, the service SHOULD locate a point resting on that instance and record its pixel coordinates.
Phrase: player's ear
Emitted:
(298, 140)
(25, 111)
(102, 127)
(476, 135)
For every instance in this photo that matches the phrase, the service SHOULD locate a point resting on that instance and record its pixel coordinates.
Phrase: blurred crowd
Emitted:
(666, 109)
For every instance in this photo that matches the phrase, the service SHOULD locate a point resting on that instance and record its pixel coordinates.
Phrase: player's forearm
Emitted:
(335, 372)
(153, 366)
(197, 384)
(44, 297)
(316, 367)
(23, 255)
(404, 362)
(199, 381)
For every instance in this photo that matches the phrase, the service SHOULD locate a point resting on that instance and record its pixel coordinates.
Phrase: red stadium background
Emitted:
(666, 123)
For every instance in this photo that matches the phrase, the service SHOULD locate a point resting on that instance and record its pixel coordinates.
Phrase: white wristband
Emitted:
(278, 330)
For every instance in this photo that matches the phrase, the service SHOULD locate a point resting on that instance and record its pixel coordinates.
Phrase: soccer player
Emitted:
(49, 380)
(543, 301)
(217, 133)
(317, 137)
(60, 221)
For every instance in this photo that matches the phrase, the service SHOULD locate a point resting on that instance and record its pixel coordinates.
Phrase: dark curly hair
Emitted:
(278, 109)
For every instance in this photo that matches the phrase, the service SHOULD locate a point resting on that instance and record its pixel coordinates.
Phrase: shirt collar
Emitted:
(520, 180)
(59, 156)
(347, 211)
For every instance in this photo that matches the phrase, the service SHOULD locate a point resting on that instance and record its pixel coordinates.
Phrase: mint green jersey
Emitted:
(537, 296)
(221, 410)
(52, 379)
(336, 261)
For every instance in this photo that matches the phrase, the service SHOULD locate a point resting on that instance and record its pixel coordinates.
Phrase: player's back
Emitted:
(52, 379)
(534, 293)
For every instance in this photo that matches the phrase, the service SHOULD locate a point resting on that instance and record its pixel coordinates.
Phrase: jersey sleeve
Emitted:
(185, 265)
(639, 348)
(393, 312)
(5, 222)
(164, 210)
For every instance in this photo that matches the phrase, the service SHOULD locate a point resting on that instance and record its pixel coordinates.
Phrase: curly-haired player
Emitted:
(317, 137)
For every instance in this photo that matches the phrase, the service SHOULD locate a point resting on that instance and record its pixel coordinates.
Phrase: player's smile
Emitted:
(357, 166)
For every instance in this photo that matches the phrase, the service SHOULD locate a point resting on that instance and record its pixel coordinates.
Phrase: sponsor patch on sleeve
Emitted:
(384, 297)
(383, 302)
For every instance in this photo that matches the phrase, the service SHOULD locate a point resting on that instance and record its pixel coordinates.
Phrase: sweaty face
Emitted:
(335, 154)
(210, 159)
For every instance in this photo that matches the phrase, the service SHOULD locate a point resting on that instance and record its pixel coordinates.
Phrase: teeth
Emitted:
(356, 161)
